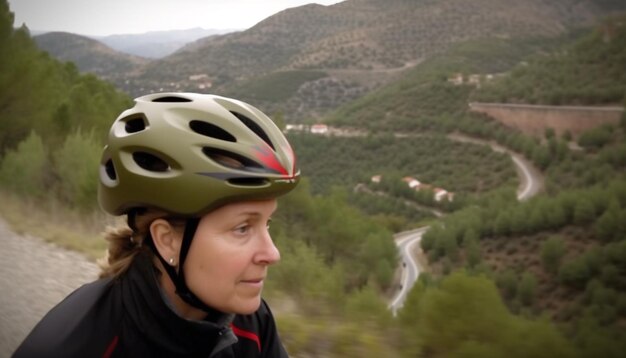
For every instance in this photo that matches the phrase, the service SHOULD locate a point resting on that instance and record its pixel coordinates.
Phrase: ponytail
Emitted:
(123, 247)
(126, 243)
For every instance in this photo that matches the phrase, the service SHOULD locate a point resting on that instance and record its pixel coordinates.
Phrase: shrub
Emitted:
(596, 138)
(527, 289)
(24, 169)
(552, 250)
(76, 164)
(575, 273)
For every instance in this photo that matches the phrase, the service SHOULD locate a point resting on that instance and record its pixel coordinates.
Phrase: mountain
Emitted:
(374, 34)
(307, 61)
(40, 96)
(358, 45)
(157, 44)
(89, 55)
(591, 71)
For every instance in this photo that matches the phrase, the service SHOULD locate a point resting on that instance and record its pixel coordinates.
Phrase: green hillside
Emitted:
(275, 87)
(53, 128)
(540, 278)
(424, 99)
(592, 71)
(52, 119)
(361, 37)
(560, 255)
(347, 164)
(89, 55)
(360, 45)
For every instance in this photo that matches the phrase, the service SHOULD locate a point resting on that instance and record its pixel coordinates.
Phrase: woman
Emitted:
(198, 177)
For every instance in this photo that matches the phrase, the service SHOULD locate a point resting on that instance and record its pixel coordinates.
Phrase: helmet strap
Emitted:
(178, 277)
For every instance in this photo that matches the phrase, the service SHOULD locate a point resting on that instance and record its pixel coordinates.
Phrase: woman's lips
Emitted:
(255, 282)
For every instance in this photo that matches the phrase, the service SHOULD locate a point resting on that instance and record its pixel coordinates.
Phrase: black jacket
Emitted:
(128, 317)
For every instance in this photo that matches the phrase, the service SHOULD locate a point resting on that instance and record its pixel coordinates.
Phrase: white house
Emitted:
(411, 182)
(319, 129)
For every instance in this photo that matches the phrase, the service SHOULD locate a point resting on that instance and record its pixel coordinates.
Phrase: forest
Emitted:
(588, 71)
(542, 277)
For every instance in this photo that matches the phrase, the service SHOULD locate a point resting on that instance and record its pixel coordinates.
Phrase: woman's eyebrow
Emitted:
(250, 214)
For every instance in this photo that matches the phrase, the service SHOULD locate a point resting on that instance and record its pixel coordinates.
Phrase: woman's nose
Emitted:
(268, 253)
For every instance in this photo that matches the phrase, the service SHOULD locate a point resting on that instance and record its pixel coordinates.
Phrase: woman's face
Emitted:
(228, 259)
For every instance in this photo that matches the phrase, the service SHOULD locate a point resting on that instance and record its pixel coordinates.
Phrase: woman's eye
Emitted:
(242, 230)
(268, 224)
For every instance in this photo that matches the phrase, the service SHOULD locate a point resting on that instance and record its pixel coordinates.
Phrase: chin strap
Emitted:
(178, 277)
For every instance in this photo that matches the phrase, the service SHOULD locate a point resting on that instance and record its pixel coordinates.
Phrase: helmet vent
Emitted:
(150, 162)
(171, 99)
(211, 130)
(248, 181)
(110, 170)
(253, 126)
(135, 125)
(230, 159)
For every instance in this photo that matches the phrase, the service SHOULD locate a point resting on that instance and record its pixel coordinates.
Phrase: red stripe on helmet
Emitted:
(267, 157)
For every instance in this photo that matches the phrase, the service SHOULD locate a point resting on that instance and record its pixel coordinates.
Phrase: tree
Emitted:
(464, 316)
(519, 220)
(538, 216)
(6, 22)
(507, 281)
(596, 138)
(555, 214)
(552, 251)
(575, 272)
(76, 164)
(301, 263)
(607, 226)
(567, 136)
(450, 244)
(365, 306)
(541, 157)
(622, 121)
(597, 340)
(527, 289)
(502, 224)
(584, 211)
(472, 248)
(24, 170)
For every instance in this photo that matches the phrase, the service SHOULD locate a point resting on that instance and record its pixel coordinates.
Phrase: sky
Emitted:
(108, 17)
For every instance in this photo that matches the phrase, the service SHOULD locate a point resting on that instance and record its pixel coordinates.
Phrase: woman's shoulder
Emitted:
(257, 320)
(257, 333)
(84, 318)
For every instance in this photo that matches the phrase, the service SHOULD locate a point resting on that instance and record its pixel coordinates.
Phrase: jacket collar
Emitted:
(152, 315)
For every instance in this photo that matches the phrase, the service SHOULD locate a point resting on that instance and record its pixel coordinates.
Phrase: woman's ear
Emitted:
(166, 240)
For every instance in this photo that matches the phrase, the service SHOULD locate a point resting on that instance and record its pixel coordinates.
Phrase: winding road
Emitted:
(406, 242)
(531, 183)
(531, 179)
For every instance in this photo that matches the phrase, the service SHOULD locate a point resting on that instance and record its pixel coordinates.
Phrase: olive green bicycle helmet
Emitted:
(188, 154)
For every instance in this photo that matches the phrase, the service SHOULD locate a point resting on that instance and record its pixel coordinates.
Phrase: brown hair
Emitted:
(125, 244)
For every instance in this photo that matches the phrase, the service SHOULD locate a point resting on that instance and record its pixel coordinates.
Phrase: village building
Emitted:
(319, 129)
(411, 182)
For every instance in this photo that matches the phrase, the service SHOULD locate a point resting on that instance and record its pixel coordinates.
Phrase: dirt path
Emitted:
(34, 276)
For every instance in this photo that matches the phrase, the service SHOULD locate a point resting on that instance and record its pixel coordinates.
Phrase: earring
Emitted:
(171, 261)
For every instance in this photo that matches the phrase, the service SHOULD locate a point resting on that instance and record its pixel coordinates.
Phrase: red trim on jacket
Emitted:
(111, 347)
(245, 334)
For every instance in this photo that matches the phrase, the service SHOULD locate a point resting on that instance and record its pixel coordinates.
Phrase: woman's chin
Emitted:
(247, 306)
